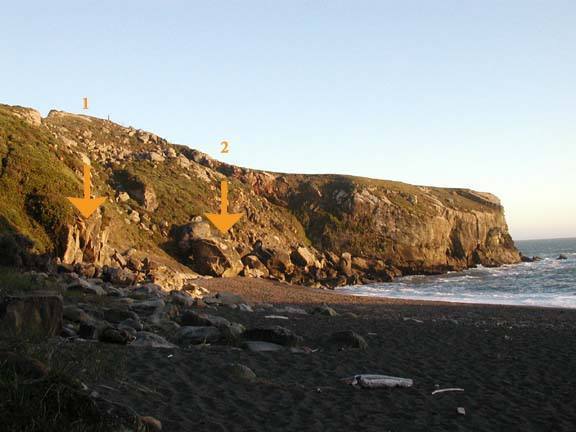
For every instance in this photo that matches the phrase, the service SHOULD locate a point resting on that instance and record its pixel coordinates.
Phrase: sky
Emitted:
(451, 93)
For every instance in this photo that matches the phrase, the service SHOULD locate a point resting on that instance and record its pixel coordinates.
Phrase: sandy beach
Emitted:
(515, 365)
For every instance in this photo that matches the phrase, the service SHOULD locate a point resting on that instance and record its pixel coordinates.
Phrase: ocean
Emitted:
(548, 283)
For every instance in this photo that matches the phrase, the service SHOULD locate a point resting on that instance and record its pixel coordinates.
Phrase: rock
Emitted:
(164, 326)
(228, 298)
(123, 197)
(197, 335)
(562, 257)
(253, 267)
(360, 264)
(147, 307)
(280, 264)
(86, 288)
(192, 318)
(22, 366)
(242, 307)
(139, 190)
(87, 331)
(135, 324)
(348, 339)
(240, 372)
(261, 346)
(156, 157)
(276, 334)
(214, 258)
(31, 315)
(233, 332)
(115, 336)
(345, 264)
(147, 290)
(151, 424)
(324, 310)
(303, 257)
(116, 315)
(134, 217)
(75, 314)
(119, 276)
(182, 298)
(151, 340)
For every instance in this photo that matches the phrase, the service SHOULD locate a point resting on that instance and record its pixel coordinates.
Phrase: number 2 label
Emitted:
(224, 145)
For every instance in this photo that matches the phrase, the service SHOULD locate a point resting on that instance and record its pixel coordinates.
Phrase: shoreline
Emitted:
(259, 290)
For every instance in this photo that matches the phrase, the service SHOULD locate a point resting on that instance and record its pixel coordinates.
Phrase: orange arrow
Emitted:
(223, 221)
(86, 205)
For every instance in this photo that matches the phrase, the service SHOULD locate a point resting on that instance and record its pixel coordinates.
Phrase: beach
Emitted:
(515, 365)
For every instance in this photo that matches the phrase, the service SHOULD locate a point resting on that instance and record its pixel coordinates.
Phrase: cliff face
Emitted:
(416, 229)
(319, 230)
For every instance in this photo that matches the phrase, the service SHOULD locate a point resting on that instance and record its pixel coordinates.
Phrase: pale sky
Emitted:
(446, 93)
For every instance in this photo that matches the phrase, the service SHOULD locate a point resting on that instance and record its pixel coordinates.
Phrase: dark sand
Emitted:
(517, 366)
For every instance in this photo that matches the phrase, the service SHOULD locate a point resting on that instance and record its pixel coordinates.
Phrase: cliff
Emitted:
(319, 230)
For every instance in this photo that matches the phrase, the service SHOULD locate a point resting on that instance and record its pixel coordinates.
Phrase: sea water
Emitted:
(550, 282)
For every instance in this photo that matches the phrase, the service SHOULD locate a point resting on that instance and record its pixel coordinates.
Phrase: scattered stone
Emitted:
(75, 314)
(243, 307)
(151, 340)
(135, 324)
(192, 318)
(562, 257)
(147, 307)
(240, 372)
(115, 336)
(261, 346)
(276, 334)
(86, 287)
(348, 339)
(227, 298)
(182, 298)
(324, 310)
(151, 424)
(117, 315)
(188, 335)
(87, 331)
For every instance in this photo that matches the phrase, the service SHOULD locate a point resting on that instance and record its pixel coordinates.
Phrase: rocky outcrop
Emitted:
(321, 231)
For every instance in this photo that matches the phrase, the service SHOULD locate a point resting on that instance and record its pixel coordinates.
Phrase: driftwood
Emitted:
(375, 381)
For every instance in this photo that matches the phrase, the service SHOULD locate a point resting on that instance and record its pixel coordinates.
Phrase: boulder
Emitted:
(198, 335)
(253, 267)
(345, 264)
(280, 263)
(562, 257)
(303, 257)
(33, 315)
(214, 258)
(275, 334)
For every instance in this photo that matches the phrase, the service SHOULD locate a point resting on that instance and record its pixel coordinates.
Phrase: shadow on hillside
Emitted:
(17, 250)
